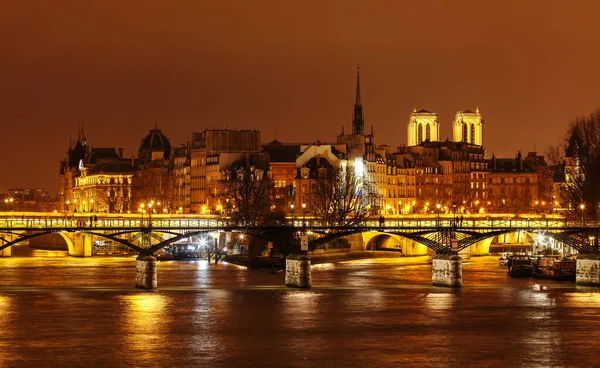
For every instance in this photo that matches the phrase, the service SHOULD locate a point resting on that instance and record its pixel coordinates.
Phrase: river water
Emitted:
(59, 311)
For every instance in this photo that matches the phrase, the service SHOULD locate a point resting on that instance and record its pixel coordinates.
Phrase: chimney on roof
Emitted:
(121, 153)
(494, 165)
(520, 160)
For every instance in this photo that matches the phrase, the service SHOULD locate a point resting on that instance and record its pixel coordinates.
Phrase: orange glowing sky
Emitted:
(530, 66)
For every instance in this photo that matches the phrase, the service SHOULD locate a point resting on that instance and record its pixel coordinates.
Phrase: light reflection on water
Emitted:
(61, 311)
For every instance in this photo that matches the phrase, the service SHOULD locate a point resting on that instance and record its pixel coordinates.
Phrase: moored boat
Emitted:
(520, 265)
(554, 269)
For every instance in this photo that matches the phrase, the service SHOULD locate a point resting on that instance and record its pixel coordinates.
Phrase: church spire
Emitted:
(358, 122)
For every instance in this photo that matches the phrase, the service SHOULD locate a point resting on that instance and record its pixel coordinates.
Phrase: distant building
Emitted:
(211, 152)
(103, 183)
(154, 179)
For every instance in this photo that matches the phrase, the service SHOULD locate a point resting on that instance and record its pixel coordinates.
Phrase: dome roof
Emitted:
(155, 141)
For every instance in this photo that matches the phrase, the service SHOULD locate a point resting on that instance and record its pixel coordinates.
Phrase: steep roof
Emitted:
(279, 152)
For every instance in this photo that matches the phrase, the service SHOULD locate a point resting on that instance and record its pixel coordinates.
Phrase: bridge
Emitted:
(446, 236)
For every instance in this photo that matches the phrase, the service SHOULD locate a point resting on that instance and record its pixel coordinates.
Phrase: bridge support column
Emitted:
(446, 270)
(588, 270)
(145, 272)
(297, 271)
(6, 252)
(82, 245)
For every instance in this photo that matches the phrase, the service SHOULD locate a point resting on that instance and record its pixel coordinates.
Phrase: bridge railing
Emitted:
(174, 222)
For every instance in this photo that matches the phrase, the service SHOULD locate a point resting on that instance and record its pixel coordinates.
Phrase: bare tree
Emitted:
(582, 163)
(157, 184)
(555, 155)
(340, 197)
(249, 191)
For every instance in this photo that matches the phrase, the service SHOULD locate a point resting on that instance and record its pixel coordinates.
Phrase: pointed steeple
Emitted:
(81, 134)
(357, 86)
(358, 122)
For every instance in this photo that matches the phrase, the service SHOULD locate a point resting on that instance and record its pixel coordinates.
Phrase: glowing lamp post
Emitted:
(150, 213)
(543, 206)
(454, 212)
(9, 202)
(582, 207)
(292, 206)
(303, 216)
(142, 210)
(438, 217)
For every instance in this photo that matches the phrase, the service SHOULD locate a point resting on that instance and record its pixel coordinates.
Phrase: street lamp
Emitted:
(150, 213)
(68, 203)
(582, 207)
(438, 208)
(454, 212)
(292, 206)
(303, 217)
(555, 207)
(142, 210)
(91, 205)
(74, 205)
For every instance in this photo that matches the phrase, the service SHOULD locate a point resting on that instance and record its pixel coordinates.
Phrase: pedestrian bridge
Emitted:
(447, 237)
(442, 237)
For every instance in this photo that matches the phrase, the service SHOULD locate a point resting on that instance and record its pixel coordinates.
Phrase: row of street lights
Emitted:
(83, 203)
(303, 213)
(150, 209)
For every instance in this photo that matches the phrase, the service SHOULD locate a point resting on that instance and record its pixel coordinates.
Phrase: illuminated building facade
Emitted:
(423, 126)
(154, 178)
(514, 187)
(206, 162)
(103, 183)
(468, 127)
(181, 171)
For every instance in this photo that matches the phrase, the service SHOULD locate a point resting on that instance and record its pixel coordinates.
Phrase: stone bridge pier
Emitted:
(446, 270)
(80, 244)
(588, 270)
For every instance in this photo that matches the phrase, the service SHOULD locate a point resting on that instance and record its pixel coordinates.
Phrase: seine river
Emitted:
(58, 311)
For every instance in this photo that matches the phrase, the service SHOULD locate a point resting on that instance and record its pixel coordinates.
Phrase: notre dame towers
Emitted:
(424, 126)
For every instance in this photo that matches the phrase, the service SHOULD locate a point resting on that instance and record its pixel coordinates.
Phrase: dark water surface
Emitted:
(58, 311)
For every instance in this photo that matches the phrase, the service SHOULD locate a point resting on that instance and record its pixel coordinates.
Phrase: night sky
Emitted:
(288, 67)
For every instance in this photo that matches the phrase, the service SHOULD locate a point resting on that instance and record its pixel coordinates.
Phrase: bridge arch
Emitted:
(389, 241)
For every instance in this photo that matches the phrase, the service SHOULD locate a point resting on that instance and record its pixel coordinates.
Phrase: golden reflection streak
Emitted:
(146, 315)
(440, 302)
(299, 307)
(543, 338)
(5, 320)
(206, 307)
(583, 300)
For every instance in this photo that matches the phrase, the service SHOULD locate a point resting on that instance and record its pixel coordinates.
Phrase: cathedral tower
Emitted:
(423, 126)
(468, 127)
